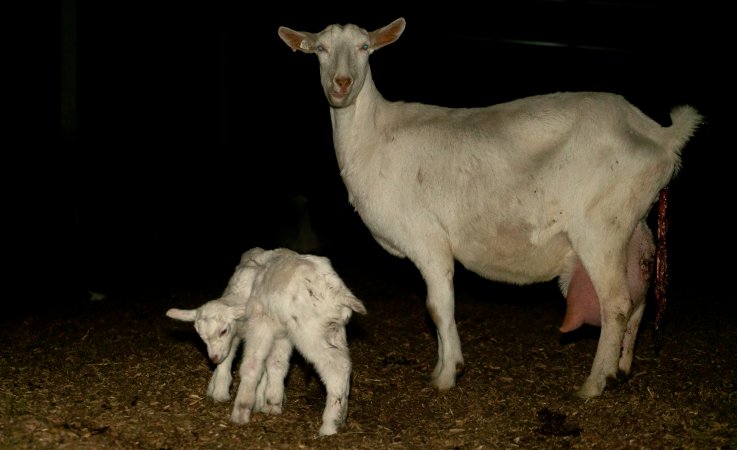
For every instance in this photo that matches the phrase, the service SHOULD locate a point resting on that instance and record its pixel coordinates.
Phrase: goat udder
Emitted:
(582, 302)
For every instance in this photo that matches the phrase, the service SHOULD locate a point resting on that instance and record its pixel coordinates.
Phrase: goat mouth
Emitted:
(338, 99)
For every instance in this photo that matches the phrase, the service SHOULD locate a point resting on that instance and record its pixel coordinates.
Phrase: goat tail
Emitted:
(335, 285)
(685, 120)
(346, 296)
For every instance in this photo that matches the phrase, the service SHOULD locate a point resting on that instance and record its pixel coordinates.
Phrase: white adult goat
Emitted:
(522, 192)
(276, 300)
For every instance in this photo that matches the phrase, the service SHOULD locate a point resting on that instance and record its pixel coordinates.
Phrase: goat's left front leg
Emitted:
(219, 387)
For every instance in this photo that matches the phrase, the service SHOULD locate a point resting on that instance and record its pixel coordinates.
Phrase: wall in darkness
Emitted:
(196, 126)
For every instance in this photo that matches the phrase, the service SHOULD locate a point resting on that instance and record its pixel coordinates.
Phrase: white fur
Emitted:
(516, 192)
(276, 300)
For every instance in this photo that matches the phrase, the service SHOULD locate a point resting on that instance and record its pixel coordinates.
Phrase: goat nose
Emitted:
(215, 359)
(343, 82)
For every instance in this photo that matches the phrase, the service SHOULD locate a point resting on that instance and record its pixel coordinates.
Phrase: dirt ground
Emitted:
(117, 373)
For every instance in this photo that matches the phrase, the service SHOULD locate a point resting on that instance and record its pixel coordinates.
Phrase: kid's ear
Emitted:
(185, 315)
(238, 312)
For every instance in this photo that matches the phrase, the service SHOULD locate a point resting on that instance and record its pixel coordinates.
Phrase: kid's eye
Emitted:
(223, 332)
(320, 48)
(364, 47)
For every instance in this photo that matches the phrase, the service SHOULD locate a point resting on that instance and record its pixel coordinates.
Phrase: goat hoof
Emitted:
(328, 429)
(590, 389)
(240, 415)
(220, 397)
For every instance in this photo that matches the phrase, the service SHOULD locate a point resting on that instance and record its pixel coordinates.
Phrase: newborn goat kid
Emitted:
(277, 300)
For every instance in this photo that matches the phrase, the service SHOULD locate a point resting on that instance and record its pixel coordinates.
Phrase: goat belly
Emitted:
(582, 302)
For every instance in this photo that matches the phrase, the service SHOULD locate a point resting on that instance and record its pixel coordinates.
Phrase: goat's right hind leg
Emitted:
(270, 391)
(335, 370)
(330, 357)
(607, 270)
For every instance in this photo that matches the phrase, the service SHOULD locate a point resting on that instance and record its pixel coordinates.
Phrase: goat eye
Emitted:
(365, 47)
(223, 332)
(320, 48)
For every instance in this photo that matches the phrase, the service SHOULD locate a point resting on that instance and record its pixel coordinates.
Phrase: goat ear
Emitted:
(238, 312)
(185, 315)
(388, 34)
(298, 40)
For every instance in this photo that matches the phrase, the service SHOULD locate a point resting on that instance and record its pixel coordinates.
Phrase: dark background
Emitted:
(153, 142)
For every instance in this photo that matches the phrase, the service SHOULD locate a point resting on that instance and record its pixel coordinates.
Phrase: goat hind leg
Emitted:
(330, 357)
(270, 392)
(336, 372)
(640, 261)
(616, 311)
(628, 343)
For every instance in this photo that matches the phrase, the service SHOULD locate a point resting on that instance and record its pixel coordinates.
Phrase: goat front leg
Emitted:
(259, 342)
(270, 390)
(438, 275)
(219, 387)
